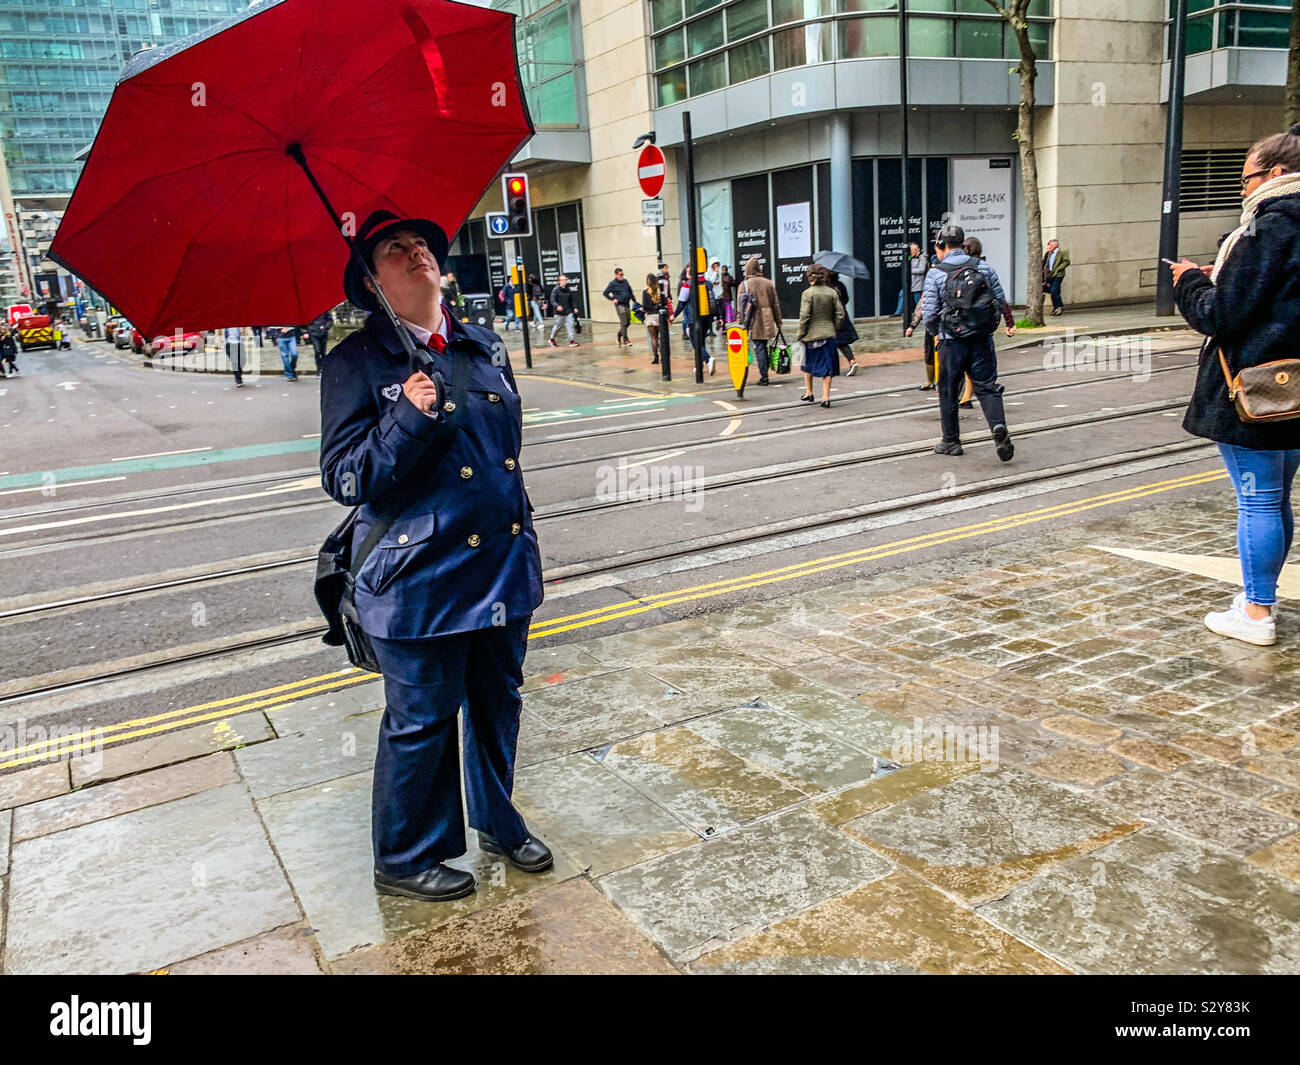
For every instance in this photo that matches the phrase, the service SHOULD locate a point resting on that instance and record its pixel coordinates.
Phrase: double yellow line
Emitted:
(92, 739)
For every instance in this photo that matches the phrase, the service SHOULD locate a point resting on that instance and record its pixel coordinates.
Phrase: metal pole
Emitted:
(693, 235)
(902, 123)
(525, 319)
(665, 343)
(1173, 161)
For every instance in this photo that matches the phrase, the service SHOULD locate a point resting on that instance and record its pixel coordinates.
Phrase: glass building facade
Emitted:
(702, 45)
(1260, 24)
(59, 61)
(549, 40)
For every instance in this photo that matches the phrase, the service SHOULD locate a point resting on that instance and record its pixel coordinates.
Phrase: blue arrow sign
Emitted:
(499, 224)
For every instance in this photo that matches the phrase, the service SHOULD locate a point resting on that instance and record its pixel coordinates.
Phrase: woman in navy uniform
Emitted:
(447, 593)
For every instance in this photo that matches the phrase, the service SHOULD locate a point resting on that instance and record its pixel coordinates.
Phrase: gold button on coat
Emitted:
(466, 473)
(449, 406)
(474, 540)
(515, 529)
(493, 398)
(403, 538)
(510, 464)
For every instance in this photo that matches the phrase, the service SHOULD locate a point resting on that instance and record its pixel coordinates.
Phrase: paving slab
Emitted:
(567, 929)
(282, 952)
(171, 747)
(602, 822)
(1228, 780)
(1079, 765)
(701, 783)
(324, 753)
(544, 666)
(322, 835)
(1157, 903)
(328, 709)
(887, 789)
(1203, 815)
(6, 823)
(122, 796)
(137, 891)
(1283, 857)
(984, 832)
(729, 887)
(1286, 803)
(894, 925)
(580, 700)
(33, 784)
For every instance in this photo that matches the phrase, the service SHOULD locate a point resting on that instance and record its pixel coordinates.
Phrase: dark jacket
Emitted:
(8, 346)
(563, 301)
(847, 333)
(320, 325)
(619, 291)
(1253, 312)
(462, 555)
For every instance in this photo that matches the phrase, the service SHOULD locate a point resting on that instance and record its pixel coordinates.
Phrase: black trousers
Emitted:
(976, 357)
(929, 358)
(318, 345)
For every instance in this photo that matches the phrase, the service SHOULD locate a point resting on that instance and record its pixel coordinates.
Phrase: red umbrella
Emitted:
(200, 205)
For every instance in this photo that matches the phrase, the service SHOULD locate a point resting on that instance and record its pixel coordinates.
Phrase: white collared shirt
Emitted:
(422, 336)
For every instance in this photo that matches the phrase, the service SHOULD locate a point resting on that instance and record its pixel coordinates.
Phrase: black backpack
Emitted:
(969, 308)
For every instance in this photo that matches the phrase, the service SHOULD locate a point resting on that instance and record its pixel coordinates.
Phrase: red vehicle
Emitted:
(19, 310)
(165, 345)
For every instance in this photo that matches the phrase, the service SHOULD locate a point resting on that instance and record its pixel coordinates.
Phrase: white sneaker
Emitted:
(713, 366)
(853, 368)
(1239, 625)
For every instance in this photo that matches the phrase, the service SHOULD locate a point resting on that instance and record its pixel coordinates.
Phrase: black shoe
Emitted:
(925, 388)
(532, 855)
(763, 381)
(806, 399)
(967, 405)
(1006, 449)
(948, 447)
(439, 884)
(826, 402)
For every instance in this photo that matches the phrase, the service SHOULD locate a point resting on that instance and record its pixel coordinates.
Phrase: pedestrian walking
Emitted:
(961, 307)
(619, 293)
(727, 283)
(820, 316)
(8, 352)
(759, 312)
(447, 593)
(451, 292)
(285, 337)
(1248, 307)
(693, 323)
(318, 332)
(257, 334)
(234, 338)
(847, 332)
(652, 302)
(918, 318)
(1056, 260)
(713, 276)
(533, 289)
(507, 295)
(564, 307)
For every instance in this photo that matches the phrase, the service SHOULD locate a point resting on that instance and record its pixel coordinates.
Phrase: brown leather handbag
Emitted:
(1269, 392)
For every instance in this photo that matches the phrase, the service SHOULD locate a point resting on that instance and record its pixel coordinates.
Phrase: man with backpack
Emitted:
(962, 303)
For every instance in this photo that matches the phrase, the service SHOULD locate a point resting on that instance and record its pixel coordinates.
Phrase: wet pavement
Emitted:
(1035, 761)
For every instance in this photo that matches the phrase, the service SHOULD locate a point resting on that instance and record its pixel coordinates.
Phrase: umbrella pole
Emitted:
(419, 360)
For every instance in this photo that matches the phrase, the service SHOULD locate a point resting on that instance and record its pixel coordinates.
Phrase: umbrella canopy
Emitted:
(197, 208)
(843, 264)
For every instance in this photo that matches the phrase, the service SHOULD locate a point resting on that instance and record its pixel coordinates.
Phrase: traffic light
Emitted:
(519, 214)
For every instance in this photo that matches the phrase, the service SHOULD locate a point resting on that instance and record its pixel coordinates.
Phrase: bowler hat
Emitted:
(375, 228)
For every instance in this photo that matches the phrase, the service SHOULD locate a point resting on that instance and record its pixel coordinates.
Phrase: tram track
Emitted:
(823, 524)
(51, 515)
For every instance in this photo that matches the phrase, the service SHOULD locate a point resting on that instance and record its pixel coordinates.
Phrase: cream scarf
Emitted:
(1282, 185)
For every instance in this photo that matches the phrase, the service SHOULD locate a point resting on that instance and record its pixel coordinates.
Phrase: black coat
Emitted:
(1253, 313)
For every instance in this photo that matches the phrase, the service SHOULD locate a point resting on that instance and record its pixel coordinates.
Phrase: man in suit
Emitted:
(447, 593)
(1056, 260)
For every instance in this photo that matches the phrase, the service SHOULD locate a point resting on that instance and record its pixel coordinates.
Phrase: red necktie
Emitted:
(438, 342)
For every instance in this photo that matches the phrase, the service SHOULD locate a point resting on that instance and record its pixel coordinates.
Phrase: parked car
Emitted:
(165, 345)
(19, 310)
(122, 334)
(111, 326)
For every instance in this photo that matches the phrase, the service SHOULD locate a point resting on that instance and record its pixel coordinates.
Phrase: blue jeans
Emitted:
(289, 356)
(1265, 523)
(1054, 290)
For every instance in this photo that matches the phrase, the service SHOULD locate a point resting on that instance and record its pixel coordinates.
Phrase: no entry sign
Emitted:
(738, 357)
(650, 170)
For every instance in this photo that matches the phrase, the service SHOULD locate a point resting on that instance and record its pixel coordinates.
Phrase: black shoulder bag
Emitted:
(337, 565)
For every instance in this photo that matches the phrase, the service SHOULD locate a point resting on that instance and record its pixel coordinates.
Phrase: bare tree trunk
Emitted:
(1013, 13)
(1293, 69)
(1028, 69)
